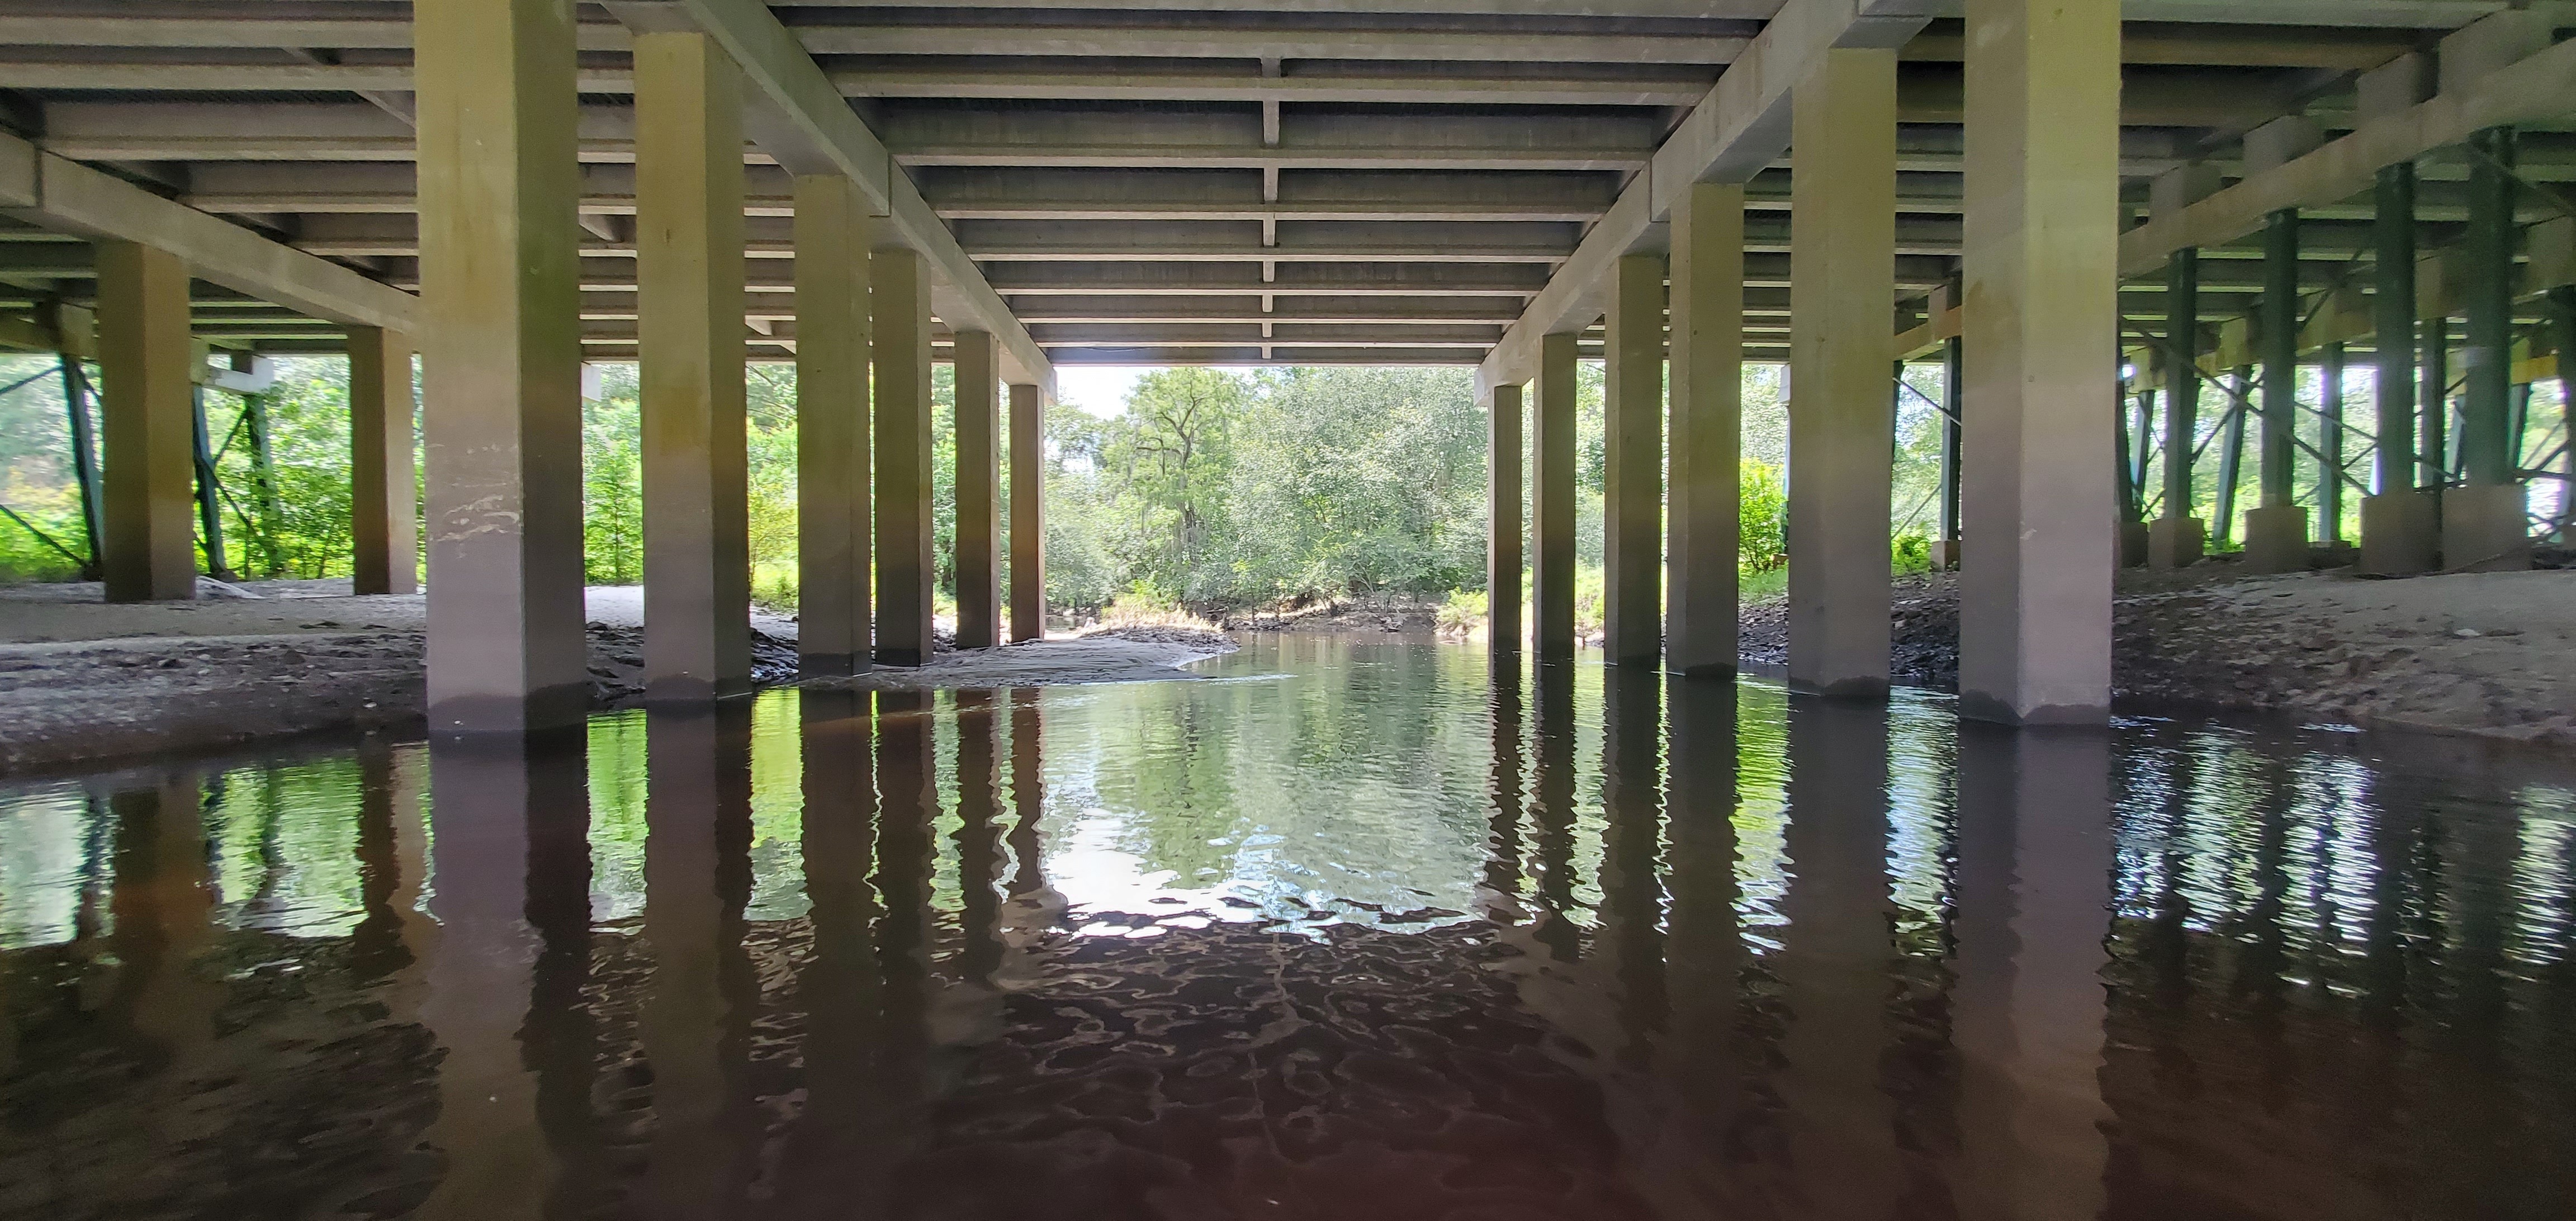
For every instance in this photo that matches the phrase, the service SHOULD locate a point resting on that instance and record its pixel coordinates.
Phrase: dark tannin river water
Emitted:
(1360, 930)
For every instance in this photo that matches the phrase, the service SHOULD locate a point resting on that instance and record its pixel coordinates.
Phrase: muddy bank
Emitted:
(83, 681)
(2489, 654)
(90, 700)
(1372, 614)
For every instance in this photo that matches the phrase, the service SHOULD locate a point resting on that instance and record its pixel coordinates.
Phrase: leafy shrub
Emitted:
(1764, 515)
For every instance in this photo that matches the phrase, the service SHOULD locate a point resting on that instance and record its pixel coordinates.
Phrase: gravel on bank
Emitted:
(2487, 654)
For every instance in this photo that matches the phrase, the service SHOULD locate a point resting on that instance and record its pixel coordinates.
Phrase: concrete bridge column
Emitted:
(979, 493)
(147, 412)
(1504, 529)
(1028, 512)
(384, 496)
(834, 234)
(1552, 502)
(1633, 500)
(1704, 534)
(501, 342)
(2041, 277)
(689, 241)
(1842, 273)
(901, 300)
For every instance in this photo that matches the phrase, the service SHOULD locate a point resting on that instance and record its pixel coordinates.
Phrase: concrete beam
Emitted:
(1737, 131)
(57, 194)
(803, 122)
(2539, 88)
(1005, 40)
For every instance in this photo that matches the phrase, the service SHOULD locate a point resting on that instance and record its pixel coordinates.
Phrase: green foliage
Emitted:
(298, 526)
(612, 482)
(36, 474)
(612, 461)
(1229, 489)
(1763, 508)
(1462, 611)
(1910, 553)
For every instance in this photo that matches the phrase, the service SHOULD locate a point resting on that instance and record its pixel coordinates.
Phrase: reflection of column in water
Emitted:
(979, 846)
(696, 1017)
(485, 793)
(2027, 1004)
(2263, 958)
(1835, 956)
(2487, 1141)
(1632, 801)
(1503, 852)
(907, 770)
(561, 1035)
(833, 1166)
(1701, 1064)
(376, 946)
(164, 904)
(2393, 978)
(1028, 798)
(1553, 806)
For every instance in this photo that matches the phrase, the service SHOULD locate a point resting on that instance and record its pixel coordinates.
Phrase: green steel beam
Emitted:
(2394, 304)
(2278, 451)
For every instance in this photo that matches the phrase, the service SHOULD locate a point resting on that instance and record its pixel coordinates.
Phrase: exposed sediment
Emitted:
(2488, 654)
(82, 681)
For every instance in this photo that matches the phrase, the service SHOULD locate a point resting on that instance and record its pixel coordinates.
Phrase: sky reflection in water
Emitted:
(1358, 931)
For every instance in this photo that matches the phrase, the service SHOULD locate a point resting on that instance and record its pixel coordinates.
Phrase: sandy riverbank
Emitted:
(2487, 654)
(81, 680)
